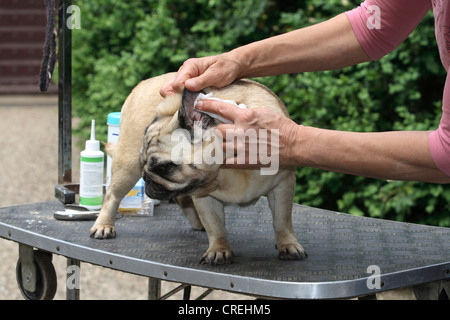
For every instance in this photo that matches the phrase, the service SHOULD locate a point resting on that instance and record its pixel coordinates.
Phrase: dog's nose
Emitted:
(152, 163)
(162, 168)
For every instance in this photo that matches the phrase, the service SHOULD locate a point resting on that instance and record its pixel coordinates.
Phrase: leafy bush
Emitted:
(123, 42)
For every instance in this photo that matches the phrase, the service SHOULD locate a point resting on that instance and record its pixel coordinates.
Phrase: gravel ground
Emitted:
(28, 174)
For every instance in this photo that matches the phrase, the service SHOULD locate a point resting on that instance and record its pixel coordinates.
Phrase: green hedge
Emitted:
(123, 42)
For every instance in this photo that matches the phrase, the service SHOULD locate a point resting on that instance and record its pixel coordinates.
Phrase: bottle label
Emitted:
(86, 159)
(132, 200)
(91, 181)
(91, 201)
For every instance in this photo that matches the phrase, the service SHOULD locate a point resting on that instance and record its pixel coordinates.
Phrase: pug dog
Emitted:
(201, 188)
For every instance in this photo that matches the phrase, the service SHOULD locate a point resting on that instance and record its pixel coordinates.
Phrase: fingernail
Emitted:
(199, 104)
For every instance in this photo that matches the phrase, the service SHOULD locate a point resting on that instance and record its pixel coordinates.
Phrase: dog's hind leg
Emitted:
(188, 208)
(280, 203)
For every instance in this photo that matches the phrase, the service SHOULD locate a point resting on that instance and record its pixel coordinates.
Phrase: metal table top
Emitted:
(340, 249)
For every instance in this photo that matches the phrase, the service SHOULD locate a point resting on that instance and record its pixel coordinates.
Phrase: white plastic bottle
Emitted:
(135, 202)
(91, 173)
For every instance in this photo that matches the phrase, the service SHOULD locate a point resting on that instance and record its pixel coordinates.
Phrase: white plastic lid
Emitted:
(92, 144)
(113, 119)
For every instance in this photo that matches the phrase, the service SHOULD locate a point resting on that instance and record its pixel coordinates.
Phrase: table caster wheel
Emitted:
(45, 278)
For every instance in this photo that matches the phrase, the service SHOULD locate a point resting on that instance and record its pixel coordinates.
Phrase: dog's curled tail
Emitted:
(110, 147)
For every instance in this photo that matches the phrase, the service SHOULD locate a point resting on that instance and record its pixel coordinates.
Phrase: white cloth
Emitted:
(209, 96)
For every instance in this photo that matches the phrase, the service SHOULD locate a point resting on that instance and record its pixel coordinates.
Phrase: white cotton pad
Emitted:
(209, 96)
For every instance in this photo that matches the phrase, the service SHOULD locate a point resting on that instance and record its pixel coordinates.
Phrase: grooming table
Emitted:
(349, 256)
(341, 248)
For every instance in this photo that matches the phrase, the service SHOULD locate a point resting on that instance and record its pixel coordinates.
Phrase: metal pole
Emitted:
(64, 94)
(154, 288)
(28, 267)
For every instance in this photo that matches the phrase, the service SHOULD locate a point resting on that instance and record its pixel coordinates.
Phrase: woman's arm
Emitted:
(331, 44)
(395, 155)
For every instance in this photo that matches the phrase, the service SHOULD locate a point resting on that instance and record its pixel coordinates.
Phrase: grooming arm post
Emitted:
(64, 94)
(65, 191)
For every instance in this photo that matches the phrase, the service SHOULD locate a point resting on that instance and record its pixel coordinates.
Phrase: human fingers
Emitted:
(222, 109)
(191, 74)
(221, 71)
(198, 73)
(216, 75)
(167, 89)
(191, 68)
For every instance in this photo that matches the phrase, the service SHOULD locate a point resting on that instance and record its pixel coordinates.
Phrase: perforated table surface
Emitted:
(341, 249)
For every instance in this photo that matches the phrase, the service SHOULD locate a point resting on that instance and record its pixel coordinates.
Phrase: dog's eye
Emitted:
(154, 120)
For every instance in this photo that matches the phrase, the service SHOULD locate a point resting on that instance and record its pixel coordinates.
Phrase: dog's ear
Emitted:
(188, 115)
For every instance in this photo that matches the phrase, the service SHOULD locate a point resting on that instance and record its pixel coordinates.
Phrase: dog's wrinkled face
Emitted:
(172, 150)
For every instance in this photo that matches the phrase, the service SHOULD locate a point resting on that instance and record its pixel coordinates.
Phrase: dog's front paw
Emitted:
(218, 255)
(291, 251)
(102, 231)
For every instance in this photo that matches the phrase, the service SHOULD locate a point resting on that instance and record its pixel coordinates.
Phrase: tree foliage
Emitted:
(124, 42)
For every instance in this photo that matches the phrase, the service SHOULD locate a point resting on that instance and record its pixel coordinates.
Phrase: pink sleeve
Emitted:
(381, 25)
(439, 140)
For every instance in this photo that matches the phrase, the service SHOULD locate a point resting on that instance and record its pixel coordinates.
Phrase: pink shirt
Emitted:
(381, 25)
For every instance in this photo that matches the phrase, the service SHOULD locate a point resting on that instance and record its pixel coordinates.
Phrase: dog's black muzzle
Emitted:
(157, 191)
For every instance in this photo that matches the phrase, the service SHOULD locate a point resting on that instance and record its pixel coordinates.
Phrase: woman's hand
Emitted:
(257, 138)
(198, 73)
